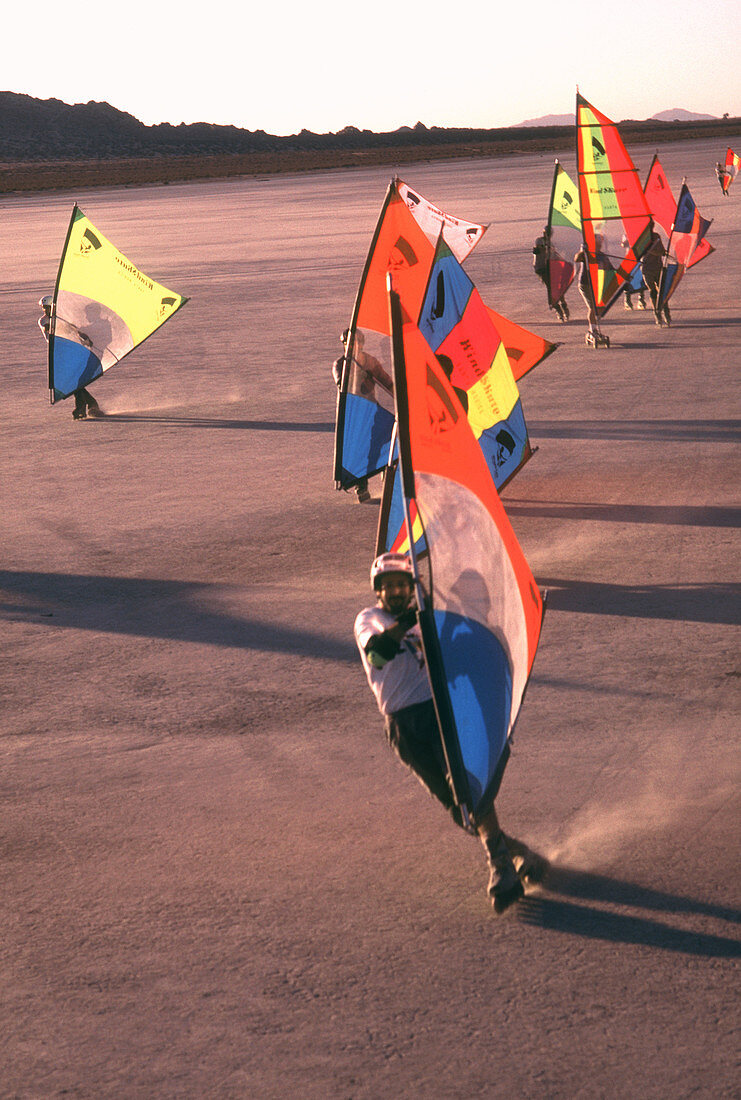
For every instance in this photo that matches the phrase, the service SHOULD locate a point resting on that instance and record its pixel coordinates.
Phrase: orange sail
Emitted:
(480, 610)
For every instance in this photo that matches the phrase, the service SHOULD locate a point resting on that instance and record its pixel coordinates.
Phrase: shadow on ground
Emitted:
(579, 918)
(697, 603)
(167, 609)
(671, 515)
(656, 431)
(212, 422)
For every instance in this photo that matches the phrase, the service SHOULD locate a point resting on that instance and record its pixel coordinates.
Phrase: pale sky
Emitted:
(322, 66)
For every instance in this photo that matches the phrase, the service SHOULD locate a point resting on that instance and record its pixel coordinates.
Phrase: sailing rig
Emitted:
(103, 307)
(563, 236)
(687, 232)
(464, 335)
(480, 611)
(404, 239)
(729, 170)
(616, 221)
(663, 207)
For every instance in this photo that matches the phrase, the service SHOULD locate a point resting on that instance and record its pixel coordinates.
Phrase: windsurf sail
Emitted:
(480, 610)
(524, 351)
(663, 207)
(688, 229)
(404, 239)
(103, 308)
(564, 235)
(461, 332)
(616, 220)
(729, 170)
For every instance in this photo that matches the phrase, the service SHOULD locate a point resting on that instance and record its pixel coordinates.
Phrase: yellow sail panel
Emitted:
(493, 396)
(95, 269)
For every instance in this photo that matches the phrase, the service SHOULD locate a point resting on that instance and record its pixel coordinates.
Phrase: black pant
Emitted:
(414, 736)
(83, 402)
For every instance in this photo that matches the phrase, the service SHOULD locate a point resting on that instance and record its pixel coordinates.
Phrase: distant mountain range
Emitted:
(48, 131)
(677, 114)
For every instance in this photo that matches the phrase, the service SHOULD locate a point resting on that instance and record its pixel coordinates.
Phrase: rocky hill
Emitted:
(50, 144)
(676, 114)
(41, 130)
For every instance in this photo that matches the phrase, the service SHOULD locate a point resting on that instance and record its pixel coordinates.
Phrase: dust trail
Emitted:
(671, 798)
(125, 407)
(598, 832)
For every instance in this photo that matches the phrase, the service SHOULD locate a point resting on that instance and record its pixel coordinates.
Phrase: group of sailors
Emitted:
(649, 271)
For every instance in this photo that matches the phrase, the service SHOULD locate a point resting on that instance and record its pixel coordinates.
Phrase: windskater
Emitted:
(581, 273)
(721, 174)
(652, 264)
(541, 258)
(389, 640)
(85, 403)
(370, 373)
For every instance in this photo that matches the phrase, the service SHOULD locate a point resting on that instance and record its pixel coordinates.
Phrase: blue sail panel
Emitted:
(479, 683)
(445, 301)
(367, 437)
(506, 446)
(74, 366)
(481, 623)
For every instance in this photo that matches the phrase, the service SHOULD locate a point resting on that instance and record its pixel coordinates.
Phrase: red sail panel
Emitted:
(660, 199)
(400, 245)
(704, 248)
(524, 349)
(663, 207)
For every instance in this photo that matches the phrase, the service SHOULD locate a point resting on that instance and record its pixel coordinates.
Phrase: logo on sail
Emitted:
(442, 413)
(89, 243)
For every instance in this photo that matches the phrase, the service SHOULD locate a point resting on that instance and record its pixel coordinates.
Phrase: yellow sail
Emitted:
(104, 306)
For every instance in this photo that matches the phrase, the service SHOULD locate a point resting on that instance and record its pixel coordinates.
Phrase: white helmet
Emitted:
(47, 301)
(390, 563)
